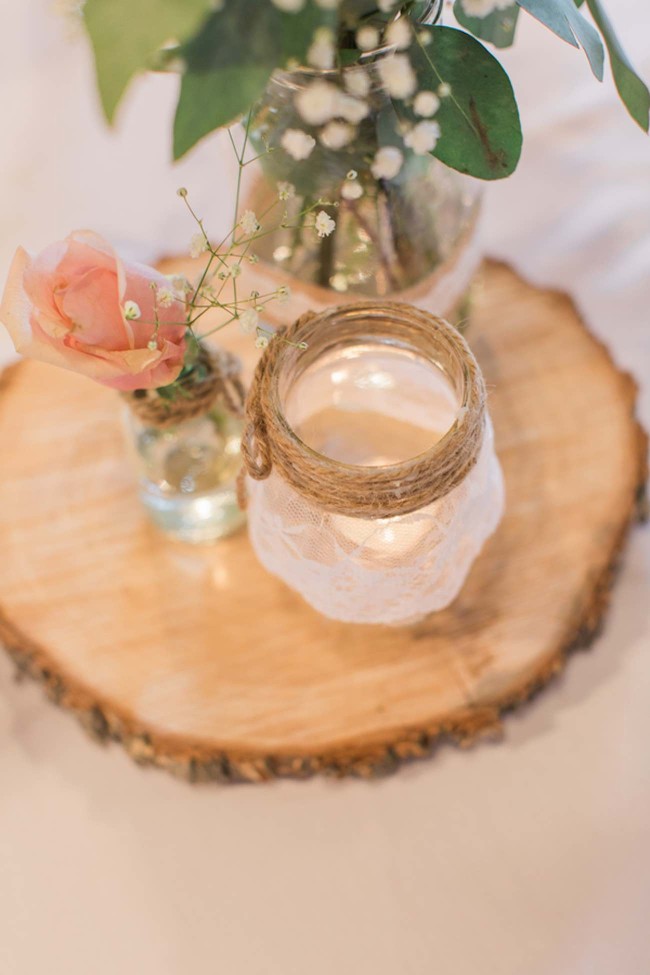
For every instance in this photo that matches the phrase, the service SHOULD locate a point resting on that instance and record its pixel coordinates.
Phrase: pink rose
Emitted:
(67, 307)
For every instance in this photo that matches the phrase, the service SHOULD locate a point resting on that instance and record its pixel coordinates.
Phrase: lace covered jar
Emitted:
(370, 474)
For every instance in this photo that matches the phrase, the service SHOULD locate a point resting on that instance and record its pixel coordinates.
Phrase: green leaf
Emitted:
(633, 91)
(479, 121)
(126, 34)
(498, 27)
(563, 18)
(229, 63)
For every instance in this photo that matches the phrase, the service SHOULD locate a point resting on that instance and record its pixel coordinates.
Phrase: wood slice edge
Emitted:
(197, 762)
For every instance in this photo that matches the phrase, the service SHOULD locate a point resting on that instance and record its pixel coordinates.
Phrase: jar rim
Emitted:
(361, 491)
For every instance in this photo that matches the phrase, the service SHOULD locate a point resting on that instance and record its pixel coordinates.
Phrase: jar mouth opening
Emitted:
(397, 327)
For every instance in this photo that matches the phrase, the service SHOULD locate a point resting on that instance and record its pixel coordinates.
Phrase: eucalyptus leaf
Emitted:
(125, 37)
(231, 60)
(498, 27)
(633, 91)
(479, 120)
(565, 20)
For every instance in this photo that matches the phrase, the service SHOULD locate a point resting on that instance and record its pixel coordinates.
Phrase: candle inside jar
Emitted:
(373, 404)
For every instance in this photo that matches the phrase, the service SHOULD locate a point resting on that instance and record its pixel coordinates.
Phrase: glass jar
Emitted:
(410, 237)
(372, 477)
(185, 443)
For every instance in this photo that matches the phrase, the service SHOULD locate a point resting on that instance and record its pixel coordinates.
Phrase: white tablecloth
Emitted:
(530, 856)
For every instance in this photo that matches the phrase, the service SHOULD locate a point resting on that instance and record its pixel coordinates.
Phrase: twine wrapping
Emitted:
(220, 385)
(365, 492)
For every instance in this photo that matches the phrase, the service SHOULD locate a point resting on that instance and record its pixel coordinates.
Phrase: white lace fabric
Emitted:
(390, 570)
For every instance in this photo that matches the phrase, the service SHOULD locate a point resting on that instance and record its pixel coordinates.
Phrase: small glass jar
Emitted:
(372, 477)
(185, 445)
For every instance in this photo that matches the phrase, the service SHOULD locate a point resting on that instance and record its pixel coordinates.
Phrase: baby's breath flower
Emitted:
(248, 320)
(289, 6)
(152, 345)
(324, 225)
(261, 341)
(387, 162)
(424, 37)
(235, 270)
(283, 294)
(198, 244)
(286, 191)
(321, 52)
(249, 223)
(181, 191)
(367, 38)
(398, 76)
(399, 34)
(351, 109)
(426, 104)
(179, 283)
(351, 189)
(297, 143)
(165, 297)
(131, 310)
(357, 82)
(335, 135)
(351, 174)
(423, 137)
(317, 103)
(253, 259)
(444, 89)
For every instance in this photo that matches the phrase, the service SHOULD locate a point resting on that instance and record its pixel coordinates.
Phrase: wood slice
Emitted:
(198, 661)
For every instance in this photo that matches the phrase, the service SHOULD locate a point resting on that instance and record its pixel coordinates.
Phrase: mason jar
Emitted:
(372, 481)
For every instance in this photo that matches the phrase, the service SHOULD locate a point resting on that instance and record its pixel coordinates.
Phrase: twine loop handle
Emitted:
(367, 492)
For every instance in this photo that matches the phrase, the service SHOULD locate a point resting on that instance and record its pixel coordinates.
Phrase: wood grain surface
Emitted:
(198, 661)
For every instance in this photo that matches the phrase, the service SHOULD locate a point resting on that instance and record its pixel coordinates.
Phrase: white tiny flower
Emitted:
(286, 191)
(399, 34)
(321, 53)
(248, 320)
(385, 6)
(444, 89)
(351, 174)
(289, 6)
(249, 223)
(398, 76)
(367, 38)
(283, 294)
(131, 310)
(179, 283)
(235, 270)
(317, 103)
(335, 135)
(165, 297)
(424, 37)
(426, 104)
(152, 345)
(423, 137)
(261, 341)
(387, 162)
(297, 143)
(198, 244)
(357, 82)
(483, 8)
(351, 109)
(324, 225)
(351, 190)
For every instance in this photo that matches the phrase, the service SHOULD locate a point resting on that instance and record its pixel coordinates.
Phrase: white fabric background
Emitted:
(530, 856)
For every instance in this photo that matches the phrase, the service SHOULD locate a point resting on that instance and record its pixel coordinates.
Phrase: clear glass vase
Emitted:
(187, 468)
(412, 237)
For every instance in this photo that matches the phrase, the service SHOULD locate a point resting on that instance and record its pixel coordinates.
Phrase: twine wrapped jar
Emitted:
(185, 442)
(370, 474)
